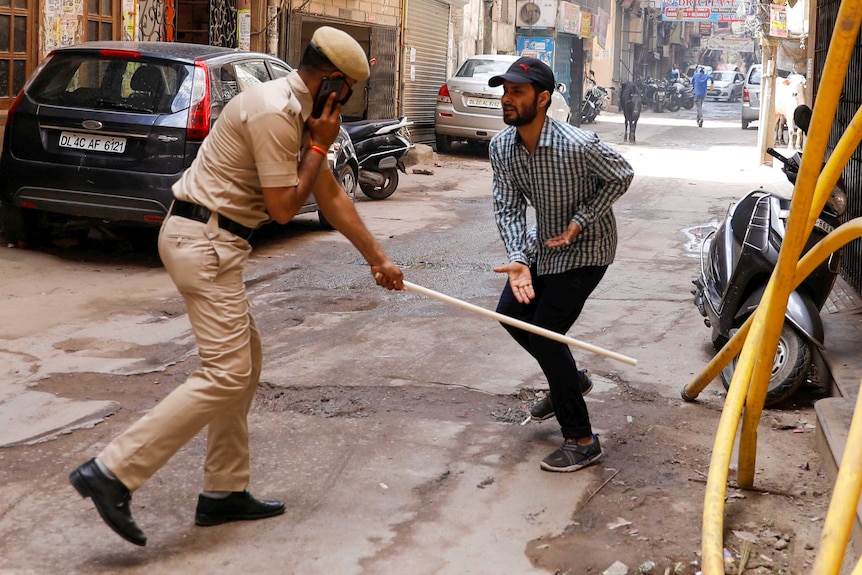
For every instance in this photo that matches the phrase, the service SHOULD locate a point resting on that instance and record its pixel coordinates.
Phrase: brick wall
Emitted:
(383, 12)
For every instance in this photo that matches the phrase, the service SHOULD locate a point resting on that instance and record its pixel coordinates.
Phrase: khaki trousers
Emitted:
(206, 264)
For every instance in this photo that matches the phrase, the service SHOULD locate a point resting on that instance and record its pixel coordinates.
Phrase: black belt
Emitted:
(198, 213)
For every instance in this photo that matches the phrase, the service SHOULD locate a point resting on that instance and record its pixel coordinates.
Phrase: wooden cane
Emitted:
(519, 324)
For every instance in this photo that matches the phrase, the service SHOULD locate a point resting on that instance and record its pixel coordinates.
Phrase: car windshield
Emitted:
(93, 80)
(482, 68)
(756, 74)
(723, 76)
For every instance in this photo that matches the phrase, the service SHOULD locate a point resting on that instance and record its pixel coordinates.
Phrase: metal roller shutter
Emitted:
(425, 51)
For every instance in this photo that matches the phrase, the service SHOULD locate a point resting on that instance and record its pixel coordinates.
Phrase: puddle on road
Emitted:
(695, 236)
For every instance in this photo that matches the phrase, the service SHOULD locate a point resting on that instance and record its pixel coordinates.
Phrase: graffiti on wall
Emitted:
(62, 25)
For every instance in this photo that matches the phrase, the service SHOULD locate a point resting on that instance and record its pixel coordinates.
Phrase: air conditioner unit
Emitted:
(536, 14)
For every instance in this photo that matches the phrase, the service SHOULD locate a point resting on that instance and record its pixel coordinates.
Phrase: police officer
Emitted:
(263, 158)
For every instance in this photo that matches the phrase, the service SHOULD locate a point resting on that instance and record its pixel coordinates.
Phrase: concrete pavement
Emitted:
(428, 483)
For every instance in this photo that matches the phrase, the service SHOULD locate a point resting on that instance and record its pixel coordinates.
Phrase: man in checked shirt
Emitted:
(571, 179)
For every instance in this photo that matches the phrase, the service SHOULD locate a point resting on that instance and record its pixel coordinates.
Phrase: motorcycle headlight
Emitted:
(838, 200)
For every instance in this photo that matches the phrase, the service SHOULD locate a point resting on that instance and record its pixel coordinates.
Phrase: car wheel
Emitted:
(18, 226)
(384, 191)
(444, 144)
(789, 368)
(745, 124)
(347, 179)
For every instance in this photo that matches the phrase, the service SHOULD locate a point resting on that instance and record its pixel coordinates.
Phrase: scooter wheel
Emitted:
(384, 191)
(789, 369)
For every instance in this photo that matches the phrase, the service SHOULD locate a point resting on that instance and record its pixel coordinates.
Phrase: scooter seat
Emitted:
(744, 211)
(366, 128)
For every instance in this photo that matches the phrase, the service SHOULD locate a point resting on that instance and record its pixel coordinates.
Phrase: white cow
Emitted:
(789, 93)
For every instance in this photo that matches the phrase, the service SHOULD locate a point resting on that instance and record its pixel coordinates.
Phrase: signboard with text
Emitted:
(570, 18)
(537, 47)
(586, 24)
(729, 43)
(778, 21)
(703, 11)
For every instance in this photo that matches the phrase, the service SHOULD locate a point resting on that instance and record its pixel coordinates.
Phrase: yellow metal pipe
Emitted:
(832, 82)
(713, 505)
(842, 506)
(765, 330)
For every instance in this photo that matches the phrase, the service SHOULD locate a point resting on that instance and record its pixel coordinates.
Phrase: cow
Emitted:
(789, 93)
(631, 103)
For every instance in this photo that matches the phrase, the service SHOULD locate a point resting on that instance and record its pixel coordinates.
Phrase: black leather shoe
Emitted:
(111, 499)
(238, 506)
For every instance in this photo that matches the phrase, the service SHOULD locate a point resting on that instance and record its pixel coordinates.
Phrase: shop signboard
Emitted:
(778, 21)
(704, 11)
(537, 47)
(729, 43)
(586, 24)
(570, 18)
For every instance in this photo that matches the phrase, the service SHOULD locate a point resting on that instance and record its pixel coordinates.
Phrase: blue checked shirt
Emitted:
(571, 176)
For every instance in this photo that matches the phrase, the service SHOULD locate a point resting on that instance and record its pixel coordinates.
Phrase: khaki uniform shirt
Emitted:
(255, 144)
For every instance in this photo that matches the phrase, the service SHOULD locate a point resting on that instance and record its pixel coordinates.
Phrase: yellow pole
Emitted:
(765, 329)
(842, 506)
(797, 232)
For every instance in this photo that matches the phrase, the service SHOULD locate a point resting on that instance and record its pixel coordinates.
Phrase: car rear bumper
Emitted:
(110, 195)
(467, 126)
(750, 113)
(91, 205)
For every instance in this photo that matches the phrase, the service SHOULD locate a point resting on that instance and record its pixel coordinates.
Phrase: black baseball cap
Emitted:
(526, 70)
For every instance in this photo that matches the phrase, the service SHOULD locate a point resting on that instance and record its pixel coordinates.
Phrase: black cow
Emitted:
(631, 103)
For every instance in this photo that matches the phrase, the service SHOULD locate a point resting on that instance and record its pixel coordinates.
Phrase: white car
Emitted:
(470, 110)
(726, 85)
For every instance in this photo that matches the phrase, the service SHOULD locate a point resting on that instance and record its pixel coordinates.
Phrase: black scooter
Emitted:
(380, 148)
(738, 264)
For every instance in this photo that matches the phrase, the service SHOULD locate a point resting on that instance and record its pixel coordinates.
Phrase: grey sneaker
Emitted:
(571, 457)
(544, 409)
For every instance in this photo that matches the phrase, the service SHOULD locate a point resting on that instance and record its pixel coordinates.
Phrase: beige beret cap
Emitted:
(343, 51)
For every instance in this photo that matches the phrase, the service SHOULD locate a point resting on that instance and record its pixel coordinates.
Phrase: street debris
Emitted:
(618, 568)
(618, 522)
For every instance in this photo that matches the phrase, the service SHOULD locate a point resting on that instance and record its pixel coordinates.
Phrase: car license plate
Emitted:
(92, 143)
(483, 102)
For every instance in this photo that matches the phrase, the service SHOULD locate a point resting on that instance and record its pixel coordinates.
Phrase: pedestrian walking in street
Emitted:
(264, 156)
(572, 179)
(700, 81)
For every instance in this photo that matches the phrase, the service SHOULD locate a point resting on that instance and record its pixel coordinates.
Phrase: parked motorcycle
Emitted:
(737, 265)
(680, 94)
(595, 100)
(654, 93)
(380, 148)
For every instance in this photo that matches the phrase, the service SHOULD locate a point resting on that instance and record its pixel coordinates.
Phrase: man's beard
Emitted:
(528, 115)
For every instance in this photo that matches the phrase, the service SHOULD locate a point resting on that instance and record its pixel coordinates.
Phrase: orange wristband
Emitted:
(318, 149)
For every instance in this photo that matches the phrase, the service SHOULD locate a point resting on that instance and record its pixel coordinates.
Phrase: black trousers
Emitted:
(558, 303)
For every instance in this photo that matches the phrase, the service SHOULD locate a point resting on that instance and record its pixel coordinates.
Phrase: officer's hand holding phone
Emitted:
(326, 114)
(328, 86)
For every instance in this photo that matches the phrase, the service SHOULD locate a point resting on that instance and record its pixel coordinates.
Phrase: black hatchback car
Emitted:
(102, 130)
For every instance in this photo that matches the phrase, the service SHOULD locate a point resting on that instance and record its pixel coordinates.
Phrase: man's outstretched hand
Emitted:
(520, 279)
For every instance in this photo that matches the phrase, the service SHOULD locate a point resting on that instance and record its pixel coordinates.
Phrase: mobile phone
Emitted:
(327, 86)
